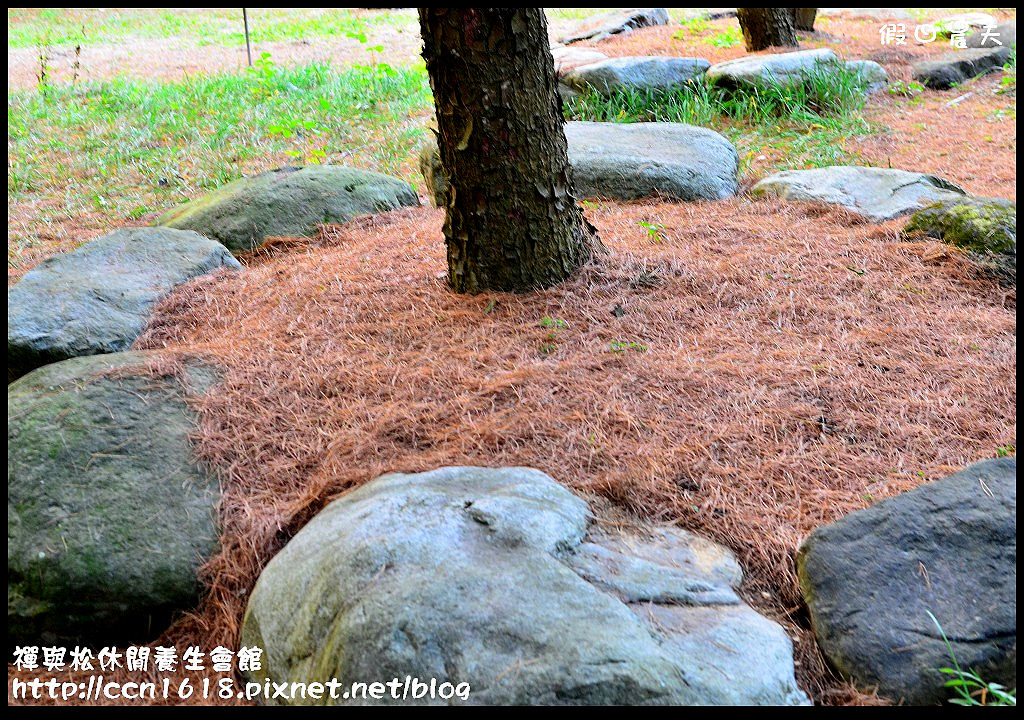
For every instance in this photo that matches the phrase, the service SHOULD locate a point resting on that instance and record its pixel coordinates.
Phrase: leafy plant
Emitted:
(970, 689)
(655, 231)
(730, 37)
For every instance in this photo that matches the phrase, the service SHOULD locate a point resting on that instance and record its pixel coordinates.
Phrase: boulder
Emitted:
(99, 297)
(109, 516)
(288, 201)
(1002, 35)
(948, 548)
(955, 67)
(635, 73)
(986, 228)
(490, 577)
(599, 27)
(569, 58)
(874, 193)
(630, 161)
(777, 68)
(872, 75)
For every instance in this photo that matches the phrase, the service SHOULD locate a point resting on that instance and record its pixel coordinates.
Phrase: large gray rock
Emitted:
(599, 27)
(960, 65)
(871, 74)
(99, 297)
(288, 201)
(636, 73)
(1002, 35)
(874, 193)
(949, 548)
(630, 161)
(985, 228)
(777, 68)
(109, 517)
(488, 577)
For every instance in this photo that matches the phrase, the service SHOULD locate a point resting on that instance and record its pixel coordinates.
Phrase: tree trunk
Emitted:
(766, 27)
(803, 18)
(512, 222)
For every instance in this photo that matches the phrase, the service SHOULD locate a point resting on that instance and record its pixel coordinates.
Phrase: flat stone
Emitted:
(874, 193)
(948, 548)
(636, 73)
(960, 65)
(109, 516)
(288, 201)
(1002, 35)
(99, 297)
(629, 161)
(872, 74)
(497, 578)
(599, 27)
(570, 58)
(775, 68)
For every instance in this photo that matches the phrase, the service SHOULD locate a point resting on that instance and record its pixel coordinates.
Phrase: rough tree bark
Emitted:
(512, 222)
(766, 27)
(803, 18)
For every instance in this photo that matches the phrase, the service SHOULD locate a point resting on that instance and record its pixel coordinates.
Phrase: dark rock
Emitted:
(612, 23)
(956, 67)
(109, 517)
(949, 548)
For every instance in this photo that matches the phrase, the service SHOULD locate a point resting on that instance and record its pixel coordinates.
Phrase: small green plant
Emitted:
(554, 325)
(905, 89)
(970, 689)
(730, 37)
(1006, 451)
(620, 346)
(655, 231)
(691, 26)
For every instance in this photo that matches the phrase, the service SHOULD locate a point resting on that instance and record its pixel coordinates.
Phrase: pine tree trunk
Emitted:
(766, 27)
(803, 18)
(512, 222)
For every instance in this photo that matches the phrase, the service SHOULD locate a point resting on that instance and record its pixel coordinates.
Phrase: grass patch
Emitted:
(61, 27)
(127, 147)
(807, 120)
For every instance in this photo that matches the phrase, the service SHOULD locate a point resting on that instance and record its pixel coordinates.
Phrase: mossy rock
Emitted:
(288, 201)
(109, 517)
(985, 228)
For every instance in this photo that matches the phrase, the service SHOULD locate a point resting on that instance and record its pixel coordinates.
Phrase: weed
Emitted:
(620, 346)
(730, 37)
(1006, 451)
(655, 231)
(970, 689)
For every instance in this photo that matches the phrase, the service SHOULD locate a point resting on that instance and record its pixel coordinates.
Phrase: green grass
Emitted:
(128, 147)
(805, 123)
(61, 27)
